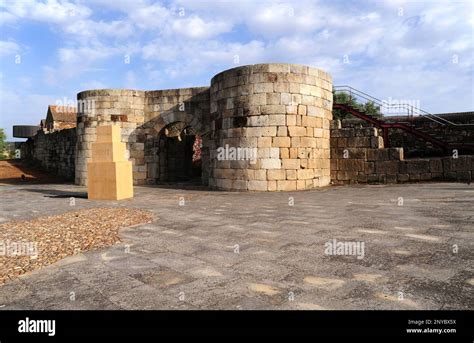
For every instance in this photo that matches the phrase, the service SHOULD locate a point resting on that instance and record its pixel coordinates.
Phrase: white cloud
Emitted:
(195, 27)
(50, 11)
(386, 50)
(95, 29)
(8, 48)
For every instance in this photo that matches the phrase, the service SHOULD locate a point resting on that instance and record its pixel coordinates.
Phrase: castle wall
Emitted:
(105, 107)
(162, 108)
(281, 112)
(54, 152)
(358, 155)
(416, 147)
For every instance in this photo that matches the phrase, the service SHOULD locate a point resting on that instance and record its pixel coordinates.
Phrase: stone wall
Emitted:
(142, 116)
(358, 156)
(282, 113)
(416, 147)
(105, 107)
(189, 106)
(54, 152)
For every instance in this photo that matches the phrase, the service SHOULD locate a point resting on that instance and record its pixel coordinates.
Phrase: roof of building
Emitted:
(63, 113)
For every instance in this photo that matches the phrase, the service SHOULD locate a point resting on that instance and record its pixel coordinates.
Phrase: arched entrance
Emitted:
(179, 154)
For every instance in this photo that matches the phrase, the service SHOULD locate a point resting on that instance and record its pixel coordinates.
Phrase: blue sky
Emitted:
(404, 50)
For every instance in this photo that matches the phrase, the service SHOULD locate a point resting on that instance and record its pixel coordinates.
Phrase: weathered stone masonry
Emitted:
(53, 151)
(358, 155)
(281, 112)
(142, 115)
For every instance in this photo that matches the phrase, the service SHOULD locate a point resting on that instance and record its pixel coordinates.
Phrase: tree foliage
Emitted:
(3, 143)
(344, 98)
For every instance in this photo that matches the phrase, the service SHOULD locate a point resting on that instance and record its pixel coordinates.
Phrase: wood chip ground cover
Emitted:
(32, 244)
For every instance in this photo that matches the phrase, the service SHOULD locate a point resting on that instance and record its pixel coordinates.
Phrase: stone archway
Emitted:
(179, 153)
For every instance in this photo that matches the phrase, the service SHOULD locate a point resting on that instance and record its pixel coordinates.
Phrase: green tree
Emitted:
(345, 98)
(3, 143)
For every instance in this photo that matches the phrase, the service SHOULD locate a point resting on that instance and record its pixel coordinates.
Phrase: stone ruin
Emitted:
(279, 115)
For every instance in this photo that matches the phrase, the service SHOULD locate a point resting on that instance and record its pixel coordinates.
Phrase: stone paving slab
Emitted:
(225, 250)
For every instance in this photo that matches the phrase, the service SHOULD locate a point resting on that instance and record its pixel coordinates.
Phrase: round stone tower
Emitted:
(270, 128)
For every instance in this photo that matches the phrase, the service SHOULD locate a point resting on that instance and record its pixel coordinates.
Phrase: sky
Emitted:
(417, 51)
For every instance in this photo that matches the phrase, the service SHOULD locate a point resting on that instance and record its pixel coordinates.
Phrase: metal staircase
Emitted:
(354, 101)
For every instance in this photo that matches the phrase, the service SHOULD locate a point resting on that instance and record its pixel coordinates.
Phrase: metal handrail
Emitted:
(410, 108)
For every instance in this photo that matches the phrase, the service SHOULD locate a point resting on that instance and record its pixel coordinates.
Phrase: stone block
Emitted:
(417, 166)
(296, 131)
(263, 87)
(277, 120)
(274, 99)
(286, 185)
(264, 142)
(270, 163)
(302, 110)
(291, 163)
(281, 142)
(254, 185)
(304, 174)
(276, 174)
(291, 174)
(436, 165)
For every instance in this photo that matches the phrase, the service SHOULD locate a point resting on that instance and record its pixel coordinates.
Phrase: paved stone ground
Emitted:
(224, 250)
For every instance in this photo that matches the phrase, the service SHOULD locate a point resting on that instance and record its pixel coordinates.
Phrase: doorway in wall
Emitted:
(179, 154)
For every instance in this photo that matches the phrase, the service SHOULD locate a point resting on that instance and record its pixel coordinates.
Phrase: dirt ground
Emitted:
(19, 172)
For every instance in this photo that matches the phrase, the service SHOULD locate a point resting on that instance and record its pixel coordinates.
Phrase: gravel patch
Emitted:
(32, 244)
